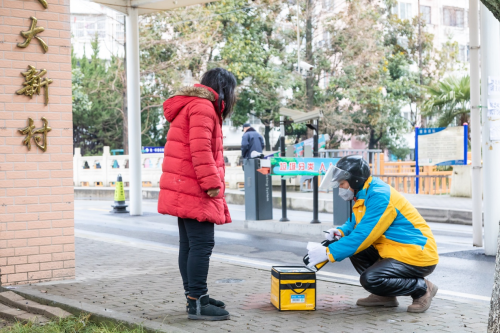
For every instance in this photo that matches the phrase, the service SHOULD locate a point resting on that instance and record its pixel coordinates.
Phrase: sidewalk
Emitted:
(120, 280)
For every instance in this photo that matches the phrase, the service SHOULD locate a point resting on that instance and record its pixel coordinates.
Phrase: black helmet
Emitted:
(358, 169)
(352, 168)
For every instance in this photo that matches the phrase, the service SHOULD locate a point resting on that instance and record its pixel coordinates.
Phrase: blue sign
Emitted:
(440, 146)
(153, 150)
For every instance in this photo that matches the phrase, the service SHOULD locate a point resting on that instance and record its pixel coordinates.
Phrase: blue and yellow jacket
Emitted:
(382, 217)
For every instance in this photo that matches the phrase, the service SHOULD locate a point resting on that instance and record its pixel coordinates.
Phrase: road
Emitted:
(463, 271)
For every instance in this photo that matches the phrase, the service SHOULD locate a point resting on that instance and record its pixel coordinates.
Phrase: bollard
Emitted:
(119, 206)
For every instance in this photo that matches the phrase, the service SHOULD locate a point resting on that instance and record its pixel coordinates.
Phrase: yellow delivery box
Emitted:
(293, 288)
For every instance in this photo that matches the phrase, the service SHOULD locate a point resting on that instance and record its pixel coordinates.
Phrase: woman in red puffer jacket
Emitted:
(192, 184)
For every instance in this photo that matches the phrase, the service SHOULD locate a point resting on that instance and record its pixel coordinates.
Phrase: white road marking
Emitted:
(165, 248)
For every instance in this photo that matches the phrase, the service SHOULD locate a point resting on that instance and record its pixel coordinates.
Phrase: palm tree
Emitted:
(448, 101)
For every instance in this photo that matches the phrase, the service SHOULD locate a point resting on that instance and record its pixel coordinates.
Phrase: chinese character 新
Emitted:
(34, 83)
(34, 30)
(31, 132)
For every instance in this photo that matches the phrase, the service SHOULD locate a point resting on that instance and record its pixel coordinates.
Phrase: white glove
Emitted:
(317, 253)
(333, 233)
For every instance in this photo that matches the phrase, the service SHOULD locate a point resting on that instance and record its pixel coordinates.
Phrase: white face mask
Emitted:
(346, 194)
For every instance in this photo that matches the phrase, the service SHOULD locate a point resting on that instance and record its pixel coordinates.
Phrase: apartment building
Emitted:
(87, 20)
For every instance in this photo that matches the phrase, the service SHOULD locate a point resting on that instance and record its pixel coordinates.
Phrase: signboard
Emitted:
(493, 85)
(153, 150)
(494, 107)
(441, 146)
(300, 166)
(299, 147)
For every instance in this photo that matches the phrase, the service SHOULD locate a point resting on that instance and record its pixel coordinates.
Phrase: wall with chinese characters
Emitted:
(36, 142)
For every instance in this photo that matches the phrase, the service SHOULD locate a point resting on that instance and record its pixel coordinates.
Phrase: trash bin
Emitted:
(341, 209)
(258, 192)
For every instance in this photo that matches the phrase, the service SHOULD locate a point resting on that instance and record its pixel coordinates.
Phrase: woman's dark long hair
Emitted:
(224, 84)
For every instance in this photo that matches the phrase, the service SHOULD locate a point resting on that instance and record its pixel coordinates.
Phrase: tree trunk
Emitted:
(372, 143)
(266, 136)
(309, 56)
(494, 320)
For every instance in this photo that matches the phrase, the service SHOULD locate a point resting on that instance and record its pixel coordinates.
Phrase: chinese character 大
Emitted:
(32, 32)
(34, 83)
(39, 135)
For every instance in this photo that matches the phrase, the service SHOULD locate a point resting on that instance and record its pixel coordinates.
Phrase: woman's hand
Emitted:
(213, 192)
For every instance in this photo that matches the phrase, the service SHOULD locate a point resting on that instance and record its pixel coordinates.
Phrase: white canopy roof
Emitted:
(299, 116)
(148, 6)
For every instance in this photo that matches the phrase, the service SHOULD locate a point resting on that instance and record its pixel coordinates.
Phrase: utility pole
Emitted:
(490, 53)
(309, 56)
(298, 37)
(420, 43)
(475, 119)
(134, 111)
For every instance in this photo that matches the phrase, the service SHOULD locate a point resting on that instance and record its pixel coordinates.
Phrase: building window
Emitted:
(453, 17)
(403, 10)
(89, 26)
(425, 12)
(463, 53)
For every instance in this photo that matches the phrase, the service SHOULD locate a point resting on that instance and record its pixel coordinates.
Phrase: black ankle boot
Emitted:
(212, 301)
(201, 309)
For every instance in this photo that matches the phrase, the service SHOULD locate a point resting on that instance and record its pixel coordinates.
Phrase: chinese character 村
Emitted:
(32, 32)
(34, 83)
(31, 132)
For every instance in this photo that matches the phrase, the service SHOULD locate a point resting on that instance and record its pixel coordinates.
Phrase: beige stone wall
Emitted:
(36, 187)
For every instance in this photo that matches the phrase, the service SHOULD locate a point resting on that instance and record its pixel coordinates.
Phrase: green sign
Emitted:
(300, 166)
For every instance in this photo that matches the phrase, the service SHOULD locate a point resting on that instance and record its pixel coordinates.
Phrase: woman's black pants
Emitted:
(196, 241)
(389, 277)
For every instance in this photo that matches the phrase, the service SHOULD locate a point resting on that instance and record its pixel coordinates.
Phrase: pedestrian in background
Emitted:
(192, 184)
(251, 141)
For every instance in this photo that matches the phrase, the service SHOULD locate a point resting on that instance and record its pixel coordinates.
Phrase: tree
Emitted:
(98, 122)
(254, 51)
(448, 100)
(494, 318)
(370, 79)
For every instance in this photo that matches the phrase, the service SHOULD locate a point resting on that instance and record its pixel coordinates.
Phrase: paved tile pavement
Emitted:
(138, 285)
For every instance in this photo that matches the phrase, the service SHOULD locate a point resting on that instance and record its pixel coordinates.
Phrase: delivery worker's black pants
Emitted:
(389, 277)
(196, 241)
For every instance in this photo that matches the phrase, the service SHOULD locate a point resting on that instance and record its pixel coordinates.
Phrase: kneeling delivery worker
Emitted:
(388, 241)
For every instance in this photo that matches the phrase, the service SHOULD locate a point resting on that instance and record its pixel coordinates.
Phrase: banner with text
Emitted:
(300, 166)
(153, 150)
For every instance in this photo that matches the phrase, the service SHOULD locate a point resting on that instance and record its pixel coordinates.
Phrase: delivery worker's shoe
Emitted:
(212, 301)
(423, 303)
(201, 309)
(375, 300)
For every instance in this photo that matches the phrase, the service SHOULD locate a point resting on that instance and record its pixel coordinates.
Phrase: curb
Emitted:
(99, 315)
(430, 214)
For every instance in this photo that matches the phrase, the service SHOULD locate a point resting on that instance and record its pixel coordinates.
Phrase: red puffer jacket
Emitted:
(193, 162)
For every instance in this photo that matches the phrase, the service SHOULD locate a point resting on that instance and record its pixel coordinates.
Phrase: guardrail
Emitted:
(428, 184)
(102, 171)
